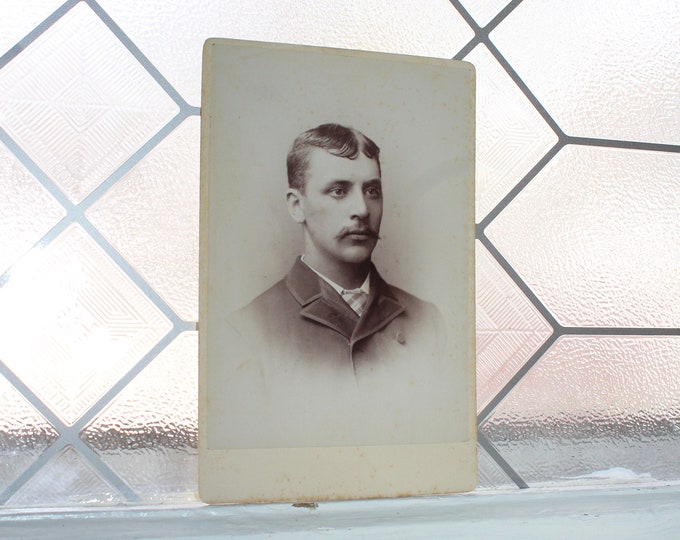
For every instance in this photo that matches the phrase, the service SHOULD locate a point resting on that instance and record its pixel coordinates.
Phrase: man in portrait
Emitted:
(332, 354)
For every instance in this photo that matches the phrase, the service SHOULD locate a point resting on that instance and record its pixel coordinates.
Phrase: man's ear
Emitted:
(295, 205)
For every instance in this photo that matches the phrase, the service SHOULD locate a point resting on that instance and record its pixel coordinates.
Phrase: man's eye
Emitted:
(373, 192)
(337, 192)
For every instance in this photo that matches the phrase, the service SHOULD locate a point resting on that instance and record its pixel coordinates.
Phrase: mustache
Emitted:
(367, 231)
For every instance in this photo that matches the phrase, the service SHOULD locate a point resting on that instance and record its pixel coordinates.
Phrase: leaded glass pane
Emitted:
(606, 69)
(148, 433)
(78, 103)
(21, 225)
(73, 323)
(151, 217)
(595, 235)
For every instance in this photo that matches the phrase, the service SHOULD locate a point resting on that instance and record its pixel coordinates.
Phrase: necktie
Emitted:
(356, 298)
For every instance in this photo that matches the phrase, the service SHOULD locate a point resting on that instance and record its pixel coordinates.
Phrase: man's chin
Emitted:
(357, 255)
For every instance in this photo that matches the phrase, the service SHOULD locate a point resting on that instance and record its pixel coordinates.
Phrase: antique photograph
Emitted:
(337, 267)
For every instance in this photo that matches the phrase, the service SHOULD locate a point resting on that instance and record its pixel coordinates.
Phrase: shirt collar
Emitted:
(365, 286)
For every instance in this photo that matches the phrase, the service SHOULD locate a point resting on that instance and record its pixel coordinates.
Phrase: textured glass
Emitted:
(24, 434)
(19, 18)
(595, 409)
(490, 475)
(66, 480)
(595, 235)
(511, 135)
(73, 323)
(151, 217)
(606, 69)
(483, 11)
(509, 328)
(430, 28)
(79, 104)
(148, 433)
(21, 226)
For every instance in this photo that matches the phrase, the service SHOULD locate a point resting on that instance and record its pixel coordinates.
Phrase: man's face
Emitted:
(341, 209)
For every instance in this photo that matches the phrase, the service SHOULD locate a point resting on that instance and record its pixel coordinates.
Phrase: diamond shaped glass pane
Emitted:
(24, 434)
(27, 211)
(483, 11)
(19, 18)
(606, 69)
(79, 103)
(433, 28)
(594, 410)
(66, 480)
(511, 135)
(595, 235)
(74, 323)
(509, 328)
(148, 433)
(151, 216)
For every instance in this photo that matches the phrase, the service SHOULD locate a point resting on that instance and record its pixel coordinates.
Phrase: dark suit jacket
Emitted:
(304, 319)
(322, 376)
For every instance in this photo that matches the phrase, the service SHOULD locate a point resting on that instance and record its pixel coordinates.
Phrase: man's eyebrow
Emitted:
(338, 182)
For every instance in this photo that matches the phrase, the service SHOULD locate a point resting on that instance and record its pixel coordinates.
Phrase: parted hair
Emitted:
(335, 139)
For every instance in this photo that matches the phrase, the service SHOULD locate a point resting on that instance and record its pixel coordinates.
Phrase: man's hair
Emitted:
(335, 139)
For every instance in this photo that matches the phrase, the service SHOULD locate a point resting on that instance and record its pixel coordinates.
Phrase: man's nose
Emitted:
(359, 207)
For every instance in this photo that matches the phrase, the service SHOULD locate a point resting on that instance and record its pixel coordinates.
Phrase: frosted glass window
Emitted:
(596, 237)
(26, 434)
(594, 408)
(578, 205)
(483, 11)
(606, 69)
(20, 20)
(148, 433)
(22, 195)
(75, 323)
(430, 28)
(151, 217)
(79, 103)
(509, 328)
(511, 135)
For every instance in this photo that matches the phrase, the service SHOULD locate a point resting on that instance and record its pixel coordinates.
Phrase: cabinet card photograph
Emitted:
(336, 332)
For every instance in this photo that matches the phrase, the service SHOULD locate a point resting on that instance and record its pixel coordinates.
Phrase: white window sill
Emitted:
(613, 512)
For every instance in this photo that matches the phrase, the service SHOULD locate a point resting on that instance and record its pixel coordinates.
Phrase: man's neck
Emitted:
(349, 276)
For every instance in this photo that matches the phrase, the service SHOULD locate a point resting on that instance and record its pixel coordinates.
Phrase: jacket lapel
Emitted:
(322, 304)
(382, 308)
(319, 301)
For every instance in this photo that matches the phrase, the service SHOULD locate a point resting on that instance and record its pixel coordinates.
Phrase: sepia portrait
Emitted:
(337, 270)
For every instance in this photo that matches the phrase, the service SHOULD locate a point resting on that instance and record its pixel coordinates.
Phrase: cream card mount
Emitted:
(322, 170)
